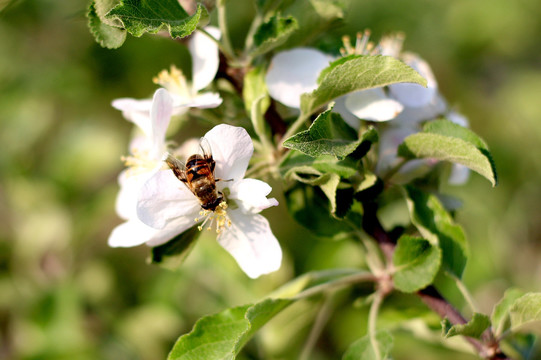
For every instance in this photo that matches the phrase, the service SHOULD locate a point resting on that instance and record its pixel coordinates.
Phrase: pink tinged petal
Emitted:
(160, 114)
(252, 195)
(373, 104)
(205, 58)
(415, 95)
(131, 233)
(232, 149)
(294, 72)
(251, 242)
(164, 198)
(136, 111)
(459, 174)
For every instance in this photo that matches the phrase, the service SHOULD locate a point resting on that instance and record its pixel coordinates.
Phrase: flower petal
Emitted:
(415, 95)
(294, 72)
(205, 58)
(459, 174)
(412, 116)
(388, 145)
(373, 104)
(232, 149)
(164, 198)
(136, 111)
(160, 115)
(252, 195)
(251, 242)
(131, 233)
(126, 199)
(458, 118)
(349, 118)
(203, 101)
(171, 229)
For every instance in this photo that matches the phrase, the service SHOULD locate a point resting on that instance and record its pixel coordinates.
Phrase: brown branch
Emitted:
(489, 347)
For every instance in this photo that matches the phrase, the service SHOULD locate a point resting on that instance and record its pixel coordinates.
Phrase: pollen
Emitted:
(217, 218)
(173, 80)
(138, 162)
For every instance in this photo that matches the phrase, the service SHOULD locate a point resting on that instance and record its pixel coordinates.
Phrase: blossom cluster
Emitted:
(157, 206)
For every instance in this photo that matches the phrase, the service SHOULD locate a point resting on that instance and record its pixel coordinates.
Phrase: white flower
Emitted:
(205, 62)
(144, 160)
(293, 73)
(165, 203)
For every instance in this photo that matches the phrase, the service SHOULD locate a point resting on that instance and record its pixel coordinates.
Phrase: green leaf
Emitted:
(500, 314)
(437, 226)
(273, 33)
(295, 164)
(363, 349)
(256, 100)
(309, 206)
(526, 313)
(355, 73)
(141, 16)
(106, 35)
(221, 336)
(173, 253)
(461, 147)
(416, 261)
(330, 135)
(474, 328)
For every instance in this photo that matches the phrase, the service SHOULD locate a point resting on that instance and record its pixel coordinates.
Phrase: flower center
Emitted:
(388, 45)
(217, 217)
(138, 162)
(174, 81)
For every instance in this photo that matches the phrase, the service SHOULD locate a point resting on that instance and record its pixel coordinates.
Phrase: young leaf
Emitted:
(355, 73)
(329, 135)
(417, 262)
(222, 335)
(273, 33)
(296, 163)
(526, 313)
(449, 148)
(500, 313)
(474, 328)
(363, 349)
(173, 253)
(141, 16)
(436, 225)
(106, 35)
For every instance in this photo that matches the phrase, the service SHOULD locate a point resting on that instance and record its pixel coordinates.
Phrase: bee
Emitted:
(198, 175)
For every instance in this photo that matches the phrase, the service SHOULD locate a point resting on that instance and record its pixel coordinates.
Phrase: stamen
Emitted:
(217, 217)
(174, 81)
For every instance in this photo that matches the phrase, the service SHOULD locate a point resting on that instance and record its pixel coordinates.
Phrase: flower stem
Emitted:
(319, 324)
(372, 320)
(222, 21)
(466, 294)
(295, 126)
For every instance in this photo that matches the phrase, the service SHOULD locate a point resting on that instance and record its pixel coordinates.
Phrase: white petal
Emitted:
(171, 229)
(388, 145)
(232, 149)
(458, 119)
(412, 116)
(252, 195)
(205, 60)
(160, 114)
(251, 242)
(164, 198)
(415, 95)
(136, 111)
(294, 72)
(459, 174)
(349, 118)
(131, 233)
(203, 101)
(372, 104)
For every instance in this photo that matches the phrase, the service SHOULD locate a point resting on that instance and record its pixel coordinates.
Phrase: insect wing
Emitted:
(206, 151)
(178, 167)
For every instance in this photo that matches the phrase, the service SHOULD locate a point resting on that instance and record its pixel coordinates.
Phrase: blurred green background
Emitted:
(64, 294)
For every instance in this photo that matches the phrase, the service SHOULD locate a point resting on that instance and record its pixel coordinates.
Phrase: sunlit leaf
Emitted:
(416, 261)
(354, 73)
(272, 33)
(526, 313)
(436, 225)
(106, 35)
(141, 16)
(500, 314)
(474, 328)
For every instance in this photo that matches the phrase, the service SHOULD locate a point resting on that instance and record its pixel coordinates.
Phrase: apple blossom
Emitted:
(165, 203)
(185, 94)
